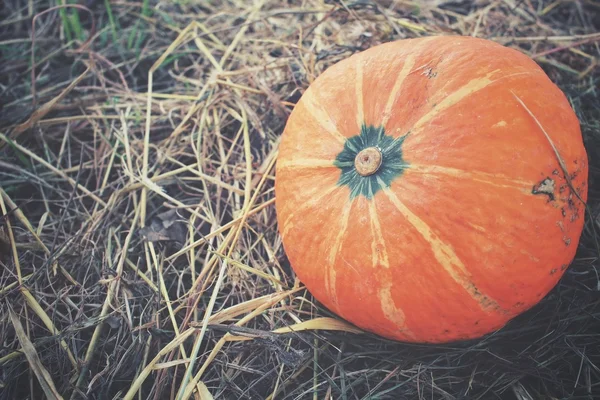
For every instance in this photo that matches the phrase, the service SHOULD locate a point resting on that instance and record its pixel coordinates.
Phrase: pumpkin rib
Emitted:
(393, 313)
(313, 202)
(417, 278)
(379, 257)
(330, 277)
(444, 253)
(390, 310)
(404, 72)
(360, 276)
(454, 98)
(462, 93)
(477, 176)
(321, 116)
(518, 260)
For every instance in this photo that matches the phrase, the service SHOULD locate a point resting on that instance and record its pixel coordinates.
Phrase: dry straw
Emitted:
(140, 255)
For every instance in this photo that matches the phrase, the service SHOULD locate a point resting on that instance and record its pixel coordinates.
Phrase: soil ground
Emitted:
(132, 130)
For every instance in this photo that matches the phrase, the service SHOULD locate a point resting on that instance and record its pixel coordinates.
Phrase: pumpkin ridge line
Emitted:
(473, 86)
(478, 176)
(331, 275)
(378, 236)
(313, 202)
(404, 72)
(559, 158)
(321, 116)
(391, 311)
(444, 254)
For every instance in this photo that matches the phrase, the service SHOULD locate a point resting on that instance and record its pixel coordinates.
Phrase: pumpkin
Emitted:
(430, 190)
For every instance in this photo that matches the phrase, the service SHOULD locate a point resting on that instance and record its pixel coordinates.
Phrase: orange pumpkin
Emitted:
(419, 191)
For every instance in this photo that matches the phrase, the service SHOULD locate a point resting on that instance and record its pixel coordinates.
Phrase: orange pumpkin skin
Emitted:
(470, 221)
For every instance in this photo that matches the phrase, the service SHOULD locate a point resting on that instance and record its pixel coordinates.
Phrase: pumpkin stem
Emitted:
(368, 161)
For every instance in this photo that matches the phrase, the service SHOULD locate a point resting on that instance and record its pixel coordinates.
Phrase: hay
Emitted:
(139, 245)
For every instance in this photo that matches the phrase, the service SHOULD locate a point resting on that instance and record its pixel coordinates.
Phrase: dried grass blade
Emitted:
(35, 363)
(39, 311)
(238, 309)
(561, 162)
(170, 364)
(203, 392)
(46, 108)
(144, 277)
(146, 148)
(196, 349)
(23, 219)
(220, 230)
(151, 366)
(259, 310)
(109, 297)
(53, 169)
(31, 301)
(248, 268)
(324, 323)
(10, 356)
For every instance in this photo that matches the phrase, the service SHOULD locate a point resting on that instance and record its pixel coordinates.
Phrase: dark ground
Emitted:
(73, 156)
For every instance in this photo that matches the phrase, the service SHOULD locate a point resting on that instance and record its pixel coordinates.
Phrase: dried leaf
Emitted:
(113, 322)
(203, 391)
(152, 235)
(324, 323)
(165, 228)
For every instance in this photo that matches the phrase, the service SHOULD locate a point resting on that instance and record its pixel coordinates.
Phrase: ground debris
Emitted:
(152, 182)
